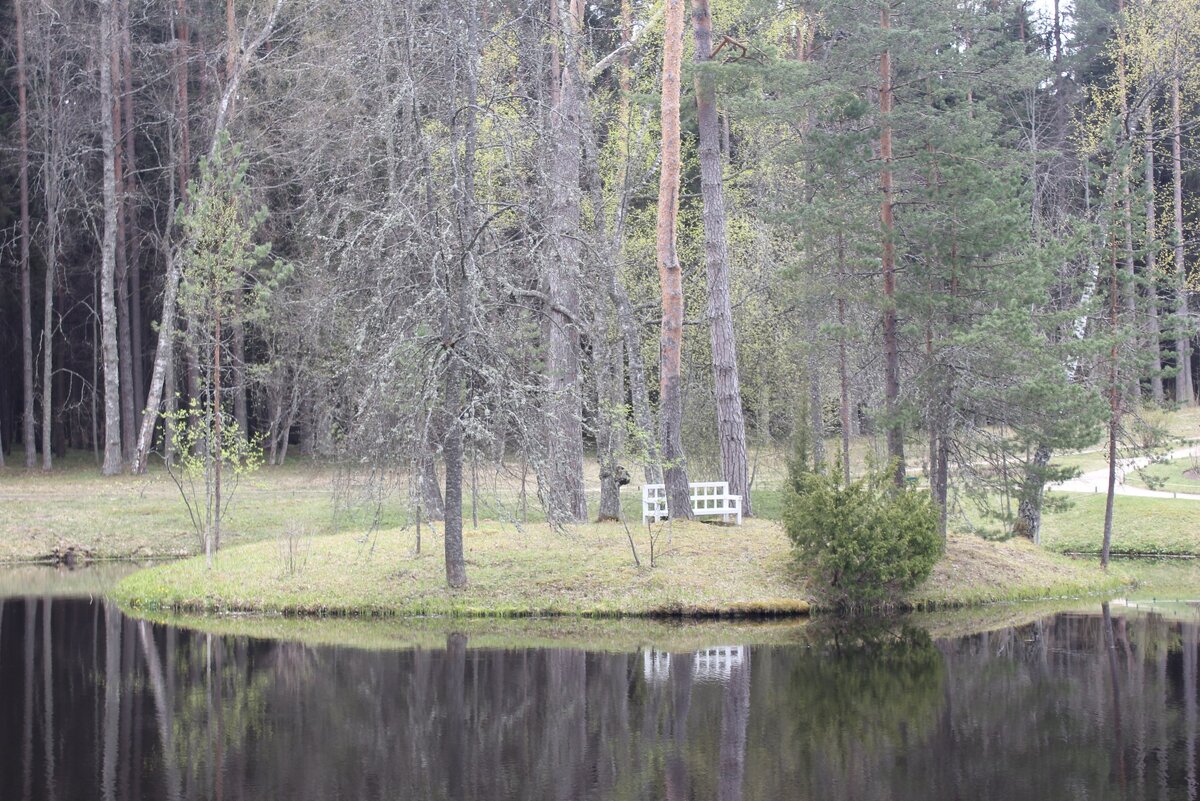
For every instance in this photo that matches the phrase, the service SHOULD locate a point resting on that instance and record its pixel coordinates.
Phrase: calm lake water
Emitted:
(1097, 705)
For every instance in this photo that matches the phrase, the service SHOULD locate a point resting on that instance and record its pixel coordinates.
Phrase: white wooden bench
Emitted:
(709, 499)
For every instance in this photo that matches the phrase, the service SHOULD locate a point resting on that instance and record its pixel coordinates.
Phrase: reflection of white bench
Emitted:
(716, 662)
(709, 499)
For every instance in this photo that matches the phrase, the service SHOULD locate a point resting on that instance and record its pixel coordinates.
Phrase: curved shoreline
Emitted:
(706, 572)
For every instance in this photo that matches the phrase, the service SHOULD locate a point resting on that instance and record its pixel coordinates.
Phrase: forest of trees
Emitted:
(416, 234)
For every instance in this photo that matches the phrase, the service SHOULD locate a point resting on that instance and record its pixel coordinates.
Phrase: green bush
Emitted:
(865, 542)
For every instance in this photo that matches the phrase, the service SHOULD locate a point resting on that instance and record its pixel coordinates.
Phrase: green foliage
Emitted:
(219, 252)
(864, 542)
(198, 450)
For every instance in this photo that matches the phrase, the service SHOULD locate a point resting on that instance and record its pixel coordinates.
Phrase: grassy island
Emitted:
(700, 570)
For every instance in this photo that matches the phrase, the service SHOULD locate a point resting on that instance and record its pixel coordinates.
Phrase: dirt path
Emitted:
(1096, 481)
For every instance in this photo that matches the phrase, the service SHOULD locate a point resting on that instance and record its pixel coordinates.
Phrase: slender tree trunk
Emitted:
(1156, 381)
(610, 391)
(108, 306)
(238, 360)
(53, 201)
(1185, 393)
(241, 408)
(217, 445)
(170, 400)
(124, 338)
(452, 452)
(639, 393)
(1114, 420)
(561, 480)
(162, 376)
(670, 276)
(163, 363)
(843, 370)
(454, 315)
(1129, 278)
(891, 341)
(731, 425)
(132, 239)
(1029, 509)
(27, 417)
(182, 108)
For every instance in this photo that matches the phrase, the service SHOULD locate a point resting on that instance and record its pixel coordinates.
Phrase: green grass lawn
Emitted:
(1166, 476)
(1140, 526)
(144, 516)
(701, 569)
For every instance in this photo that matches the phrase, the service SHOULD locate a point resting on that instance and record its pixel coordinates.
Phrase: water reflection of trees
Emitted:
(1102, 706)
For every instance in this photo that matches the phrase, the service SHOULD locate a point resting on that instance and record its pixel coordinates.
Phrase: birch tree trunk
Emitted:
(162, 361)
(27, 433)
(670, 276)
(891, 342)
(561, 477)
(108, 306)
(731, 424)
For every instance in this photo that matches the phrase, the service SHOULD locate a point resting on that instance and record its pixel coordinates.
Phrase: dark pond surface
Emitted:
(94, 705)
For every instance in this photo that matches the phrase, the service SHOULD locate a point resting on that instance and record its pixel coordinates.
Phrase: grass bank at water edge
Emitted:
(700, 570)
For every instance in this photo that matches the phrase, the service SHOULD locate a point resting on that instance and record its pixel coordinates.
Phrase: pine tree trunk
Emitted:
(1129, 278)
(137, 386)
(891, 341)
(1185, 393)
(731, 424)
(241, 411)
(108, 307)
(53, 199)
(816, 416)
(843, 367)
(561, 480)
(27, 417)
(1114, 400)
(218, 445)
(670, 276)
(1029, 509)
(124, 341)
(1156, 381)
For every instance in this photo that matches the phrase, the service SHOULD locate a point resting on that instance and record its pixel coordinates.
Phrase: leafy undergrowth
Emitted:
(978, 571)
(1141, 526)
(701, 569)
